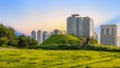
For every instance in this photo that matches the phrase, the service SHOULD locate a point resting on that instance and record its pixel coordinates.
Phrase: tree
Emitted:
(7, 35)
(4, 35)
(26, 42)
(13, 39)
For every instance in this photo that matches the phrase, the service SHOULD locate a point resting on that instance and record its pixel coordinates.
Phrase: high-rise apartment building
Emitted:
(39, 36)
(33, 34)
(45, 35)
(72, 24)
(80, 26)
(108, 34)
(88, 27)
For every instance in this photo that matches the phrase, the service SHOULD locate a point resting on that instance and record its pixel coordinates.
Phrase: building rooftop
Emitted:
(109, 25)
(74, 15)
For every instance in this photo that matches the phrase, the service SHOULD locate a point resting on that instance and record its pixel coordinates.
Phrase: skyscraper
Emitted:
(72, 24)
(33, 34)
(39, 36)
(108, 34)
(88, 27)
(80, 26)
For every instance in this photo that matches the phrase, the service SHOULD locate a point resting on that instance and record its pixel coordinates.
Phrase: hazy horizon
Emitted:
(28, 15)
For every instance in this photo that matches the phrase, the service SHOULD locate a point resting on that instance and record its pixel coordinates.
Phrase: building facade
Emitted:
(80, 26)
(88, 27)
(33, 34)
(45, 35)
(39, 36)
(108, 34)
(56, 31)
(72, 24)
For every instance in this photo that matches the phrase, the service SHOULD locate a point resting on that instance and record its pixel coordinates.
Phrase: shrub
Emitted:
(26, 42)
(103, 48)
(3, 41)
(60, 47)
(93, 41)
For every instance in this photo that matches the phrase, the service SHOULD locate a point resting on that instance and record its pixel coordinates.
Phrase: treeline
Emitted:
(8, 38)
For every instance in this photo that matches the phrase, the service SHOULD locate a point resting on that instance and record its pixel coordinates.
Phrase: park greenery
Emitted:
(69, 42)
(9, 38)
(55, 42)
(57, 51)
(30, 58)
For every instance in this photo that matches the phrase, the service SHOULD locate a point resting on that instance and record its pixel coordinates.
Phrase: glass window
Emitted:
(107, 31)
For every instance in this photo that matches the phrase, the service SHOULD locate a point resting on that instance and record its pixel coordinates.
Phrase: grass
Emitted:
(25, 58)
(61, 39)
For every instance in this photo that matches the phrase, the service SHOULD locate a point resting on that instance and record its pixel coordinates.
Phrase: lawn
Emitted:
(25, 58)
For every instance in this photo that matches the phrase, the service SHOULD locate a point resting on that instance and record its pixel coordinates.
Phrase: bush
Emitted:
(26, 42)
(3, 41)
(60, 47)
(93, 41)
(103, 48)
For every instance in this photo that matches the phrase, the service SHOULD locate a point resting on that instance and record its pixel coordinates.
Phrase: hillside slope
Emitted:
(61, 39)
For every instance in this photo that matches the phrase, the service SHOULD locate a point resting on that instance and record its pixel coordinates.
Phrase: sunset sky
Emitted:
(28, 15)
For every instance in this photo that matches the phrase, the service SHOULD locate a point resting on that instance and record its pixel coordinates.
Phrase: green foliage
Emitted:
(61, 39)
(66, 42)
(26, 58)
(93, 41)
(26, 42)
(103, 48)
(61, 42)
(6, 35)
(60, 47)
(3, 41)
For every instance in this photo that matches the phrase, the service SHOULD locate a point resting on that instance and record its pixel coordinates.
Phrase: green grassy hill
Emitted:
(61, 39)
(25, 58)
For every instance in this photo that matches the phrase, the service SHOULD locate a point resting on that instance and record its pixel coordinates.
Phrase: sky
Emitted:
(47, 15)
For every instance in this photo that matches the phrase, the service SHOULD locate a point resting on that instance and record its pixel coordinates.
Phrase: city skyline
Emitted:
(49, 15)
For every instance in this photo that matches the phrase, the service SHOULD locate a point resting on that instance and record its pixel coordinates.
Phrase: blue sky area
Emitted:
(28, 15)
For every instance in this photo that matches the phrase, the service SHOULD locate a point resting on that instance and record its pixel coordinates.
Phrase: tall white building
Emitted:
(108, 34)
(88, 27)
(80, 26)
(39, 36)
(72, 24)
(33, 34)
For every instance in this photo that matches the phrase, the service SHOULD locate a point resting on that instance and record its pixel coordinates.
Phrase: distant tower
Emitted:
(88, 27)
(108, 34)
(39, 36)
(44, 35)
(33, 34)
(72, 24)
(80, 26)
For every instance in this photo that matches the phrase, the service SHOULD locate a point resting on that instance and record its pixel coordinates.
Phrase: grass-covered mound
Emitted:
(66, 42)
(60, 42)
(61, 39)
